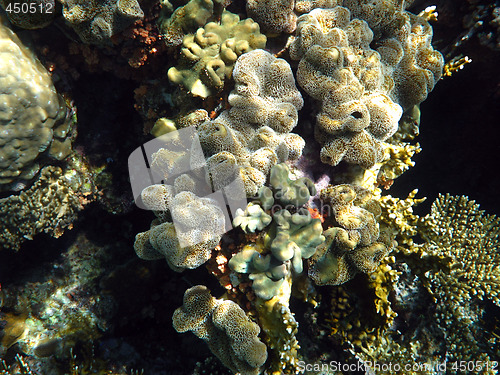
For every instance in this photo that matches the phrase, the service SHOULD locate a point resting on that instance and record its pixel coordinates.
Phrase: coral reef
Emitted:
(35, 124)
(275, 16)
(208, 55)
(97, 21)
(230, 334)
(174, 26)
(290, 242)
(49, 206)
(35, 15)
(255, 133)
(363, 92)
(354, 242)
(467, 240)
(289, 239)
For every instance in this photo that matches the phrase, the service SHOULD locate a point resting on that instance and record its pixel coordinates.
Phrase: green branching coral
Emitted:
(208, 55)
(354, 242)
(255, 133)
(468, 240)
(229, 333)
(289, 238)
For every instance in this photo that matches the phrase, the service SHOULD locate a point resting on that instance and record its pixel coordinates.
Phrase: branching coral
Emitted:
(229, 333)
(354, 242)
(34, 120)
(96, 21)
(255, 133)
(208, 55)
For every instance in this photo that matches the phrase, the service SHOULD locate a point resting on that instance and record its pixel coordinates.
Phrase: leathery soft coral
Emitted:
(289, 238)
(255, 133)
(362, 91)
(354, 242)
(209, 54)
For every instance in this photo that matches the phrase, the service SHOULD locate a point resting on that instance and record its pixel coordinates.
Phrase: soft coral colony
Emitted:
(317, 228)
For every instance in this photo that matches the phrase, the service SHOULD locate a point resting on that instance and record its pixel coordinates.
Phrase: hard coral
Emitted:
(354, 242)
(40, 14)
(208, 55)
(255, 133)
(229, 333)
(97, 21)
(35, 124)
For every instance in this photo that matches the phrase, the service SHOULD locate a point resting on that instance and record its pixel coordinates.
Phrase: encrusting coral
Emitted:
(96, 21)
(35, 124)
(354, 242)
(229, 333)
(362, 91)
(255, 133)
(208, 55)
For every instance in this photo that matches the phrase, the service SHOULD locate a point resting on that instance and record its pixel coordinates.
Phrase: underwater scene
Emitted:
(271, 187)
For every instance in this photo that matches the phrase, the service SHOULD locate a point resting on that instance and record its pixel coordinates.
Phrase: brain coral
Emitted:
(208, 55)
(96, 21)
(362, 91)
(353, 242)
(255, 133)
(34, 121)
(229, 333)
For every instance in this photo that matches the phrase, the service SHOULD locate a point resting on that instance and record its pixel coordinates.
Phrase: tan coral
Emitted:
(254, 134)
(229, 333)
(354, 243)
(209, 54)
(97, 21)
(35, 125)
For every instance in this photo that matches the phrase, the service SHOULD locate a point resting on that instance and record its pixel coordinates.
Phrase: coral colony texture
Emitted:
(223, 170)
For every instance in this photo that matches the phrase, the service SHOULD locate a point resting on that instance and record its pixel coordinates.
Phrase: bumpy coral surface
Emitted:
(50, 205)
(33, 15)
(230, 334)
(274, 16)
(187, 229)
(362, 91)
(255, 133)
(34, 121)
(184, 20)
(354, 242)
(96, 21)
(208, 55)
